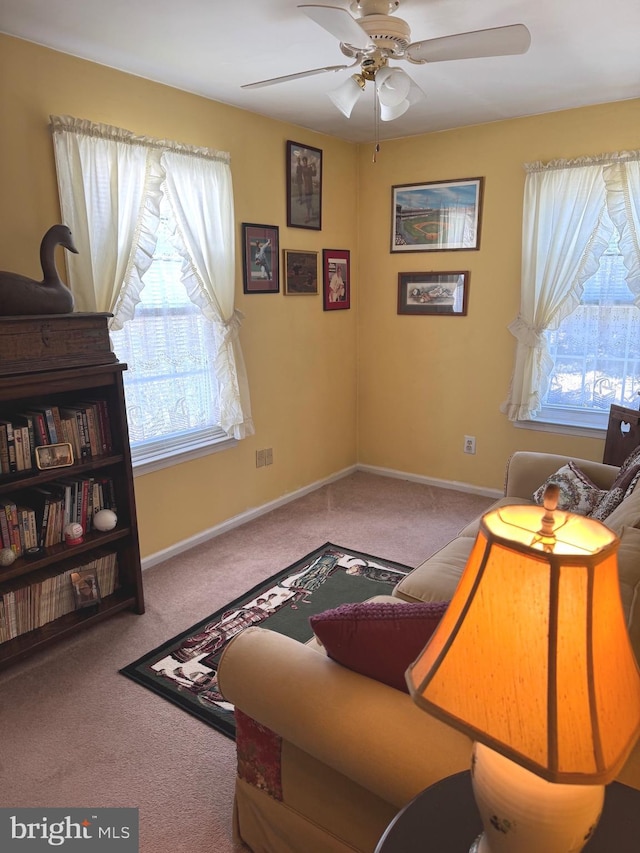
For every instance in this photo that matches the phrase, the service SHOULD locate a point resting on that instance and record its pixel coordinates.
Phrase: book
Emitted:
(40, 434)
(4, 449)
(11, 513)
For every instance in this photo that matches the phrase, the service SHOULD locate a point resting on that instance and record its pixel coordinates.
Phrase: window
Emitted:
(596, 350)
(155, 224)
(171, 388)
(577, 331)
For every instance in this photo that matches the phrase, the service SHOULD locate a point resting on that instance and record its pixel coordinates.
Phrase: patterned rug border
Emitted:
(226, 725)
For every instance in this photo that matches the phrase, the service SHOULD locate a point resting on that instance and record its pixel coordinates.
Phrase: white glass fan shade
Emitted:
(415, 94)
(393, 86)
(346, 95)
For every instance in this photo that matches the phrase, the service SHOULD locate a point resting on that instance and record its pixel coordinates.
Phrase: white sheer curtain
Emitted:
(111, 182)
(206, 230)
(109, 188)
(568, 221)
(623, 201)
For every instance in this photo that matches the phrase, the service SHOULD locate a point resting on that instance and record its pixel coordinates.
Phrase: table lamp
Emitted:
(533, 661)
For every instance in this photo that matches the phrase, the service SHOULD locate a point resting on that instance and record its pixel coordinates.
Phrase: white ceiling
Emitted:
(582, 52)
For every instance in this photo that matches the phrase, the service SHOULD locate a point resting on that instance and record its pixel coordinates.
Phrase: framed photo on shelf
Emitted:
(304, 186)
(336, 279)
(301, 272)
(261, 258)
(86, 591)
(54, 456)
(443, 293)
(437, 216)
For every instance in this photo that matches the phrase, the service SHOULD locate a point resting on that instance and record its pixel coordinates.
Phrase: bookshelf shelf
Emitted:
(85, 391)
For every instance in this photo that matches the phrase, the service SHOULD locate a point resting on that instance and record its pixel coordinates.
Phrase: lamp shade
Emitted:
(532, 657)
(347, 94)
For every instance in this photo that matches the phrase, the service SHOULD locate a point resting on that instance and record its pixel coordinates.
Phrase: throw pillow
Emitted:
(577, 492)
(378, 639)
(621, 488)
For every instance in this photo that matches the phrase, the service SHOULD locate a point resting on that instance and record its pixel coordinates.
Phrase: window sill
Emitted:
(562, 429)
(164, 458)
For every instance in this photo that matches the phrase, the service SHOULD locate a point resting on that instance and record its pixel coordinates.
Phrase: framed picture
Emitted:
(301, 272)
(304, 186)
(336, 279)
(261, 258)
(54, 456)
(442, 293)
(436, 217)
(86, 591)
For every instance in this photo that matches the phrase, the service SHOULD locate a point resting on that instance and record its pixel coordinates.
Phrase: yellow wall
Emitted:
(328, 388)
(300, 359)
(425, 382)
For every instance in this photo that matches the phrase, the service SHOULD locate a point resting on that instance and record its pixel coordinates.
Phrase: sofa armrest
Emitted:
(371, 733)
(527, 471)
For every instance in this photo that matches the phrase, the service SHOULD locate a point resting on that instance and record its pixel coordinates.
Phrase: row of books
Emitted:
(84, 425)
(34, 605)
(35, 517)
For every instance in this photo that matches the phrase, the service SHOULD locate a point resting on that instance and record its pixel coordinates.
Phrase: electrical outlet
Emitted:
(260, 463)
(469, 444)
(268, 456)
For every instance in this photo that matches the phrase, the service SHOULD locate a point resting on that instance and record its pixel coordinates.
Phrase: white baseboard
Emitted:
(433, 481)
(256, 512)
(237, 520)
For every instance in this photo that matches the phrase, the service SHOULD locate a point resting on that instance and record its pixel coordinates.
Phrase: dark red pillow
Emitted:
(378, 639)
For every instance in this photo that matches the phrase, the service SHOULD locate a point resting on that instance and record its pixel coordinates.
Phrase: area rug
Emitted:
(184, 669)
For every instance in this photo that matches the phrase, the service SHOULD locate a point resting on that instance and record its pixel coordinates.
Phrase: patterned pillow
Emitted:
(621, 488)
(577, 493)
(378, 639)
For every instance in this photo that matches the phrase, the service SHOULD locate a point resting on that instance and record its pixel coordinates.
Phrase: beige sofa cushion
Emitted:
(472, 528)
(437, 578)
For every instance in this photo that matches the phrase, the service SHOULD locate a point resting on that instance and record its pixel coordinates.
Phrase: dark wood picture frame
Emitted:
(260, 272)
(442, 294)
(301, 273)
(336, 279)
(304, 186)
(438, 216)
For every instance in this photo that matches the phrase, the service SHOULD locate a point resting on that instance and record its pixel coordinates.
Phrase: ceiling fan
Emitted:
(376, 36)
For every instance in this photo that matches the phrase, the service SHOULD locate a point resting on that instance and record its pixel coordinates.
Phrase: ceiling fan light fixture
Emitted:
(346, 95)
(390, 113)
(393, 86)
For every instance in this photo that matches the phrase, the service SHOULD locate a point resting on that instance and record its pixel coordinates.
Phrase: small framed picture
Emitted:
(442, 293)
(86, 591)
(54, 456)
(261, 258)
(336, 279)
(304, 186)
(437, 216)
(301, 272)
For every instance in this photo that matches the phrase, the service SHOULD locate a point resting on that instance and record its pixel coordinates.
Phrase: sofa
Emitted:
(326, 755)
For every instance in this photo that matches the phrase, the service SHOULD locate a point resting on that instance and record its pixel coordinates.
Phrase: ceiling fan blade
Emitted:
(297, 76)
(339, 23)
(497, 41)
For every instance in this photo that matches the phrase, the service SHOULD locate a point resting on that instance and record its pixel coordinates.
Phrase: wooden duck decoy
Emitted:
(22, 295)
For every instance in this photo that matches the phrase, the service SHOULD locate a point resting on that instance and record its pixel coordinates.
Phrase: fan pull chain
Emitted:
(376, 124)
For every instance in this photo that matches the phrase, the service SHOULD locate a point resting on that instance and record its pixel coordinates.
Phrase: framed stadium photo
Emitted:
(436, 217)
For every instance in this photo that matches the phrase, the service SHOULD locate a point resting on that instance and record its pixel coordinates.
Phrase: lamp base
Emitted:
(523, 813)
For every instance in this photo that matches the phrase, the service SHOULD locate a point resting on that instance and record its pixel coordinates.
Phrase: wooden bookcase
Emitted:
(56, 361)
